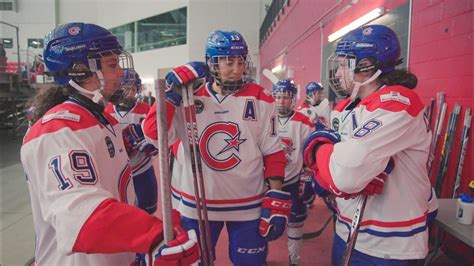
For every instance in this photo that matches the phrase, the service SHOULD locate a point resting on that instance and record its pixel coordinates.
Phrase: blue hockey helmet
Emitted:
(225, 45)
(312, 87)
(284, 88)
(84, 44)
(131, 78)
(124, 97)
(376, 42)
(285, 85)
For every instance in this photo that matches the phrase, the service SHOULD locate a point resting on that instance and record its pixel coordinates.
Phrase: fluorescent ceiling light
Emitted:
(35, 42)
(357, 23)
(277, 68)
(6, 41)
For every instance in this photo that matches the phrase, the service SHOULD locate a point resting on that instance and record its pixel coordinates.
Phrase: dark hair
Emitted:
(46, 99)
(401, 77)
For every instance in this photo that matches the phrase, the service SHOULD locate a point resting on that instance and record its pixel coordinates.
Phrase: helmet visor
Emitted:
(340, 74)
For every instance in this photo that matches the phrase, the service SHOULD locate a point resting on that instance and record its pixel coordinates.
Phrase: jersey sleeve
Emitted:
(391, 125)
(85, 216)
(149, 124)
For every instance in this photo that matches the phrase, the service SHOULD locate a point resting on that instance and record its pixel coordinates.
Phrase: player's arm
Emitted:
(276, 204)
(86, 217)
(349, 166)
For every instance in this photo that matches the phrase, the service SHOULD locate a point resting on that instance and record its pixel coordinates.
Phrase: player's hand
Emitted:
(306, 189)
(276, 207)
(193, 72)
(134, 141)
(314, 141)
(183, 250)
(376, 185)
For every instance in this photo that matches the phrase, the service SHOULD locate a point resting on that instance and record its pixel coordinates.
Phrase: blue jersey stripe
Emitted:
(387, 234)
(218, 209)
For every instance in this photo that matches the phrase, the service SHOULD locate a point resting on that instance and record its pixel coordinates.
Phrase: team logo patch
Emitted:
(220, 145)
(394, 96)
(199, 106)
(367, 31)
(74, 30)
(335, 124)
(110, 146)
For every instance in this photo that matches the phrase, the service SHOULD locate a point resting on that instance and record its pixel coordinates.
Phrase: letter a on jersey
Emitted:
(249, 111)
(220, 144)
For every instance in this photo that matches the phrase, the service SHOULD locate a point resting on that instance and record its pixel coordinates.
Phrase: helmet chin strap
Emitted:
(96, 95)
(357, 85)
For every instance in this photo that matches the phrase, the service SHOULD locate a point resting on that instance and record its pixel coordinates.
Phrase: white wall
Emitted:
(38, 17)
(34, 18)
(205, 16)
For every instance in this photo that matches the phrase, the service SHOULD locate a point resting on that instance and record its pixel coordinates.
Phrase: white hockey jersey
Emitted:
(79, 180)
(320, 112)
(139, 162)
(293, 131)
(237, 133)
(389, 123)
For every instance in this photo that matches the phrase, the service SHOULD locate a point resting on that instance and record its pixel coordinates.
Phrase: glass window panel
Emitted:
(35, 43)
(126, 36)
(7, 42)
(164, 30)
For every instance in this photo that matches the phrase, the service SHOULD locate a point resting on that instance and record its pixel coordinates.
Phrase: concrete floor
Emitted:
(17, 232)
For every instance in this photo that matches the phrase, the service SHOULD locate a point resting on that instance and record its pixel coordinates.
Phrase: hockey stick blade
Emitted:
(270, 76)
(318, 232)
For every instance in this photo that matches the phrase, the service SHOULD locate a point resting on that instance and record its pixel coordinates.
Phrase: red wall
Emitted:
(441, 53)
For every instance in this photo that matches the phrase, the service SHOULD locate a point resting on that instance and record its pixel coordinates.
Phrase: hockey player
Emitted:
(315, 105)
(293, 129)
(77, 168)
(380, 120)
(130, 113)
(242, 159)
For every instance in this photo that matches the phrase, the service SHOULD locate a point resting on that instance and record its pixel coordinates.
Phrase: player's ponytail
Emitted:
(46, 99)
(401, 77)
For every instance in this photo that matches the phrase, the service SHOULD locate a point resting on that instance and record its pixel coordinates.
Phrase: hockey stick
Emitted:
(165, 178)
(429, 111)
(352, 238)
(199, 191)
(318, 232)
(462, 152)
(446, 150)
(437, 132)
(270, 76)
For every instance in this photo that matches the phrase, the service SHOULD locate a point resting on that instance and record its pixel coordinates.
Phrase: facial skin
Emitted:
(283, 101)
(316, 97)
(112, 73)
(230, 69)
(131, 93)
(343, 74)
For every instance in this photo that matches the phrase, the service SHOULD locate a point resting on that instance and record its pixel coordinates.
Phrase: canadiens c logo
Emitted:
(219, 143)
